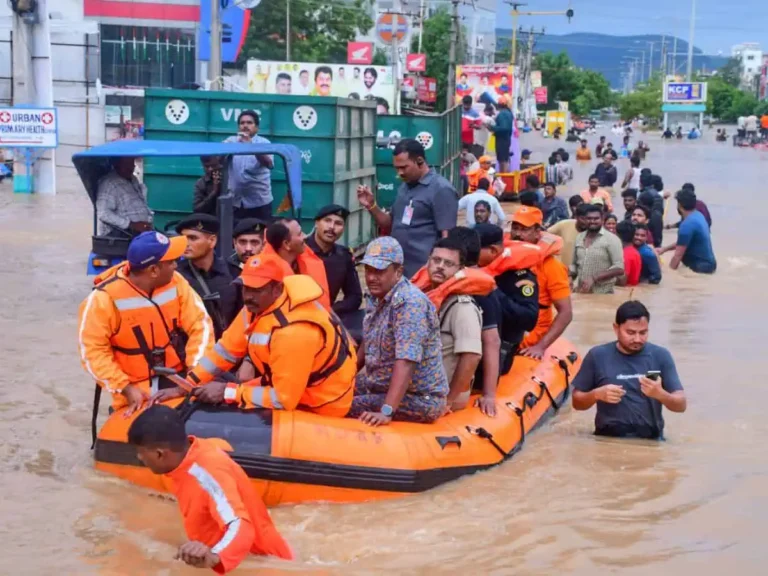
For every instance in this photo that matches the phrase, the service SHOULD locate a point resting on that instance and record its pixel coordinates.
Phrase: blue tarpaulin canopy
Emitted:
(93, 164)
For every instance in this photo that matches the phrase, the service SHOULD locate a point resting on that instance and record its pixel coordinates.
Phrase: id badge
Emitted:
(408, 215)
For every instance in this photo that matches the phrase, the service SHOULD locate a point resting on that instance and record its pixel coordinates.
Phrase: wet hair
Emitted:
(631, 310)
(278, 232)
(483, 203)
(575, 201)
(587, 208)
(689, 186)
(686, 199)
(470, 240)
(467, 100)
(532, 181)
(646, 179)
(658, 183)
(625, 230)
(641, 227)
(483, 184)
(529, 198)
(323, 69)
(583, 208)
(629, 193)
(645, 210)
(454, 244)
(409, 146)
(634, 161)
(252, 113)
(158, 427)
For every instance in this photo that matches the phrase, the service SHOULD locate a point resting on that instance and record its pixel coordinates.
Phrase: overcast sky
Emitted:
(719, 24)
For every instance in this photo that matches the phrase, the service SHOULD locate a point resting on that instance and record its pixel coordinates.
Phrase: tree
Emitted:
(585, 90)
(436, 44)
(319, 30)
(731, 72)
(645, 101)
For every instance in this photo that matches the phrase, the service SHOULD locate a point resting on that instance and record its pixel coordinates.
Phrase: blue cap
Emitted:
(525, 152)
(383, 252)
(152, 247)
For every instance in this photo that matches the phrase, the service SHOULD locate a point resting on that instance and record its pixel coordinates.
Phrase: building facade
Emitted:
(750, 55)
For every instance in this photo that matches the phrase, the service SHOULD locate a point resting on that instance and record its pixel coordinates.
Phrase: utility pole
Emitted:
(663, 58)
(650, 62)
(528, 66)
(421, 23)
(395, 54)
(689, 72)
(450, 95)
(516, 13)
(214, 64)
(287, 30)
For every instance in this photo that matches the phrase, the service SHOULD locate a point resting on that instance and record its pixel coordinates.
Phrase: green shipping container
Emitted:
(336, 138)
(441, 137)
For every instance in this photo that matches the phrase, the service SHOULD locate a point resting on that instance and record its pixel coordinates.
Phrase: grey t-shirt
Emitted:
(435, 206)
(636, 414)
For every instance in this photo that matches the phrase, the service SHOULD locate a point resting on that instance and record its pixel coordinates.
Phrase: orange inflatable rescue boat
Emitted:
(295, 457)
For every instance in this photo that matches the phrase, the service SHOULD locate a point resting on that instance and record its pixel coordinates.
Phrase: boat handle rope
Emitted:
(545, 388)
(483, 433)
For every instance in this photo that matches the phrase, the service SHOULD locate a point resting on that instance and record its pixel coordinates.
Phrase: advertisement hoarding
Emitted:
(235, 20)
(685, 92)
(313, 79)
(359, 52)
(485, 83)
(416, 62)
(541, 95)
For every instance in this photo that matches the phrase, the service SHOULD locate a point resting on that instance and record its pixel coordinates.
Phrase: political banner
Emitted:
(313, 79)
(685, 92)
(484, 83)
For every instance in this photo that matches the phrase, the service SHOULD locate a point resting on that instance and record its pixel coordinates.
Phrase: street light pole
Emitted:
(689, 72)
(214, 63)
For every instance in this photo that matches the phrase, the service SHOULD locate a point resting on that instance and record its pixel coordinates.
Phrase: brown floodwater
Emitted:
(568, 503)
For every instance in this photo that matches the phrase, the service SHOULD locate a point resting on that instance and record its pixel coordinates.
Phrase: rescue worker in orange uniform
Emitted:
(554, 283)
(286, 239)
(302, 352)
(142, 314)
(224, 517)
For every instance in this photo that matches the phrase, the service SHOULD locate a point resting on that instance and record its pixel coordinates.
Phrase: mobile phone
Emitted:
(653, 374)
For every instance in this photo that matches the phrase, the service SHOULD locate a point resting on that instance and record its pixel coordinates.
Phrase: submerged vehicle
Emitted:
(93, 164)
(296, 456)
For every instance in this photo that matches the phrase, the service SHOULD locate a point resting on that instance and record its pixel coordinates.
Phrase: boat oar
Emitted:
(174, 377)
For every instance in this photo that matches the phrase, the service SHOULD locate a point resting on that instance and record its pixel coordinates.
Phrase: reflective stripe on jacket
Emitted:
(302, 352)
(222, 509)
(119, 326)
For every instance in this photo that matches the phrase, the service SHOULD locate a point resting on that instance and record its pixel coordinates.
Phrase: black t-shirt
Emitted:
(491, 311)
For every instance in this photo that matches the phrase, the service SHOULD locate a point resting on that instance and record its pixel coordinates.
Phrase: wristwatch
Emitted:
(387, 410)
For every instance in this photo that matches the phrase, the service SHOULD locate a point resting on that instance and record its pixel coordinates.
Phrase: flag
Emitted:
(144, 44)
(122, 45)
(168, 45)
(134, 43)
(157, 45)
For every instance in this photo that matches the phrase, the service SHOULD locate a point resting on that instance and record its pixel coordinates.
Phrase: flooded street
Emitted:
(568, 503)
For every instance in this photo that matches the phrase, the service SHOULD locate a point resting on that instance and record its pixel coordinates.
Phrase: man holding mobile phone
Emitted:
(629, 380)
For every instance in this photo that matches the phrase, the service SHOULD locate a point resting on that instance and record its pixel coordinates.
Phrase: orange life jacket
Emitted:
(330, 386)
(310, 264)
(516, 255)
(475, 176)
(147, 324)
(550, 244)
(466, 282)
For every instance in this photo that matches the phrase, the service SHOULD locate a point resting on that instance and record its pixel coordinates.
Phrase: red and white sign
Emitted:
(359, 52)
(541, 95)
(426, 89)
(28, 128)
(416, 62)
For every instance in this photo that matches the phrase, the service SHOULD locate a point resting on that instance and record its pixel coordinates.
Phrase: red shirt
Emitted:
(633, 264)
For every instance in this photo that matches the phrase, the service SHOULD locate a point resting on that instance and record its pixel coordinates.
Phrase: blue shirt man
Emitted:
(694, 243)
(250, 177)
(629, 380)
(651, 271)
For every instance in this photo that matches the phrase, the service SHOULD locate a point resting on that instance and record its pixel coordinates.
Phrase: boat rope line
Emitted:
(483, 433)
